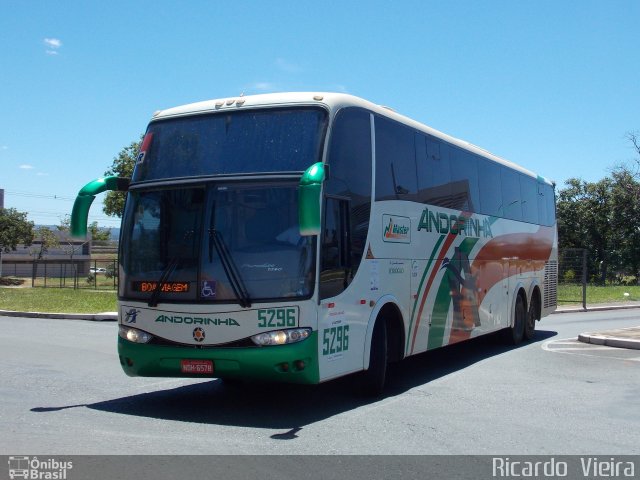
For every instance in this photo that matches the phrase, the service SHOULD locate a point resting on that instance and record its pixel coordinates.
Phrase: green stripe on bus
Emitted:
(424, 276)
(443, 301)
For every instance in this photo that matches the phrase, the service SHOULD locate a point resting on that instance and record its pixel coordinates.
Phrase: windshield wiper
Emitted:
(229, 267)
(169, 269)
(171, 266)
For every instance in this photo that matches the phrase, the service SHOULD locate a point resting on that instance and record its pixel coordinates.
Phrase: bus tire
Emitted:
(530, 324)
(373, 379)
(515, 333)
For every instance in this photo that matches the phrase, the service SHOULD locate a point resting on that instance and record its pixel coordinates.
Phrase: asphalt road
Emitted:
(63, 392)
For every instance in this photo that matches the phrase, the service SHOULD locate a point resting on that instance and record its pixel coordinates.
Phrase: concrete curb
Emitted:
(596, 308)
(609, 341)
(95, 317)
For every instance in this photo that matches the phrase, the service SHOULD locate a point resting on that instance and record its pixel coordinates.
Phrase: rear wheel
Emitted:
(530, 324)
(515, 333)
(373, 379)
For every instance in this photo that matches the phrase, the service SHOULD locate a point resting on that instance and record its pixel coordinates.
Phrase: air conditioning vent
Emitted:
(550, 284)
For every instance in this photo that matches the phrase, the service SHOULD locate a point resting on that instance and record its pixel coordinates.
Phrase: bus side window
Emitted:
(350, 161)
(464, 180)
(528, 194)
(335, 270)
(395, 161)
(550, 198)
(490, 188)
(511, 201)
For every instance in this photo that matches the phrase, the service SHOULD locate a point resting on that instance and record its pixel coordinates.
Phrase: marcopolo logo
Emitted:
(396, 229)
(34, 468)
(176, 319)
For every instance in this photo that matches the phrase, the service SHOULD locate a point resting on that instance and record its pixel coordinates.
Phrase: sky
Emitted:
(551, 85)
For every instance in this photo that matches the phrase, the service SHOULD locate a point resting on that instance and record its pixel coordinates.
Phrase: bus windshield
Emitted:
(228, 243)
(238, 142)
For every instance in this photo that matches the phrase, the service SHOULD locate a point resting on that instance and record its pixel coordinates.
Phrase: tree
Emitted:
(122, 167)
(584, 211)
(14, 229)
(604, 218)
(97, 234)
(48, 239)
(625, 220)
(70, 246)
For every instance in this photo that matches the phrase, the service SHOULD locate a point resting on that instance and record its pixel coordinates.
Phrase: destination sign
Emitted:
(165, 287)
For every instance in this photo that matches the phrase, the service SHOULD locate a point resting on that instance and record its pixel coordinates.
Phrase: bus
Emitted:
(301, 237)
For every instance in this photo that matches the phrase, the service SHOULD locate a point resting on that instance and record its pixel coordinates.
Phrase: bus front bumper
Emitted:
(292, 363)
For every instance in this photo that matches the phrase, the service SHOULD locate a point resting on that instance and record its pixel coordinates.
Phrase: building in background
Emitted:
(66, 259)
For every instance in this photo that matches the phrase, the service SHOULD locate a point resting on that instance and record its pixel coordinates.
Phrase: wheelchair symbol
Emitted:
(208, 289)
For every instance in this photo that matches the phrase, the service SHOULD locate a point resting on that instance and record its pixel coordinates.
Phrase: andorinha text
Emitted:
(197, 320)
(454, 224)
(590, 467)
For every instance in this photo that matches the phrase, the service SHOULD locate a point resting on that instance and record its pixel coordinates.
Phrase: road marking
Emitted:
(577, 347)
(586, 347)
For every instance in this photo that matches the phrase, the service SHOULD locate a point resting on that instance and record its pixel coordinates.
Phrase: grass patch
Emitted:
(58, 300)
(572, 294)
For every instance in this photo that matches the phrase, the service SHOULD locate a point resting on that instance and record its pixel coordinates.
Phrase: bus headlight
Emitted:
(134, 335)
(281, 337)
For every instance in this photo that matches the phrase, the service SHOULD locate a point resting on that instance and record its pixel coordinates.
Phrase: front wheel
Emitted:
(373, 379)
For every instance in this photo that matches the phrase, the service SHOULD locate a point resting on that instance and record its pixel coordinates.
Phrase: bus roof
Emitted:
(333, 101)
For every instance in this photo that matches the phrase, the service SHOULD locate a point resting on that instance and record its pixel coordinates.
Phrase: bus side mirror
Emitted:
(86, 195)
(309, 196)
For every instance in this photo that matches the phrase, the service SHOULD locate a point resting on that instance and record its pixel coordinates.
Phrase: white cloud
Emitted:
(263, 86)
(52, 42)
(287, 66)
(42, 174)
(53, 45)
(26, 167)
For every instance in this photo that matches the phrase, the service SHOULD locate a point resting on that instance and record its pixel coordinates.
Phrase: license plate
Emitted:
(196, 366)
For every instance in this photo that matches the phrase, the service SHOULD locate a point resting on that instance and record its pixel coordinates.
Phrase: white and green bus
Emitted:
(301, 237)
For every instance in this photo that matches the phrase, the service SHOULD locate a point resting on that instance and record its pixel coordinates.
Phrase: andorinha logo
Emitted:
(441, 222)
(34, 468)
(197, 320)
(396, 229)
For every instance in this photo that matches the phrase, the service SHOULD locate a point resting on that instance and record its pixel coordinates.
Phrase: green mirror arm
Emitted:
(309, 199)
(86, 195)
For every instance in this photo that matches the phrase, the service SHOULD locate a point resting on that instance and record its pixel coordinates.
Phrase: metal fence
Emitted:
(572, 276)
(76, 274)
